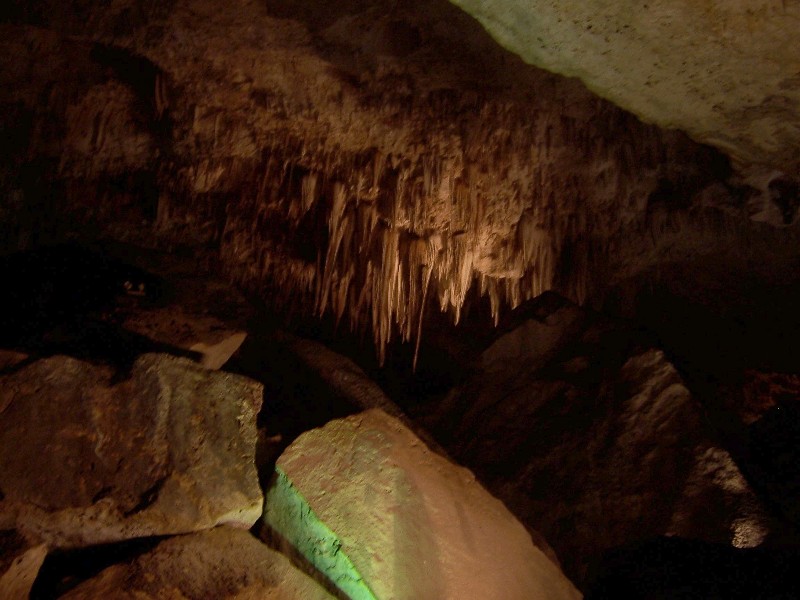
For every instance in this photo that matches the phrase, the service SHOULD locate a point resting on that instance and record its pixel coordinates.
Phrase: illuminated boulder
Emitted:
(367, 503)
(169, 450)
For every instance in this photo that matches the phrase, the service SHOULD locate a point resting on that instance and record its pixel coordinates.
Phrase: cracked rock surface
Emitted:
(169, 450)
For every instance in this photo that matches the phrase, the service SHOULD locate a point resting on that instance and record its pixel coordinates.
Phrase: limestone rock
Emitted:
(19, 564)
(596, 442)
(725, 72)
(169, 450)
(364, 494)
(714, 502)
(534, 341)
(221, 563)
(216, 355)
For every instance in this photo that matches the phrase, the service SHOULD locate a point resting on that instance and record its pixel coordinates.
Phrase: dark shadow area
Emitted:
(730, 329)
(716, 333)
(675, 569)
(70, 299)
(63, 570)
(296, 398)
(774, 452)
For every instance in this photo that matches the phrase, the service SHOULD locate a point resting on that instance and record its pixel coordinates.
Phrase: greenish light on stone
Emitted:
(288, 513)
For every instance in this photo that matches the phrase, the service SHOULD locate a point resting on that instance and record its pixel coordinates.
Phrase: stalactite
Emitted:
(502, 208)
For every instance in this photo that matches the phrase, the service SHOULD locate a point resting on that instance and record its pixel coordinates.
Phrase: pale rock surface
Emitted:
(219, 564)
(169, 450)
(216, 355)
(20, 561)
(413, 524)
(726, 72)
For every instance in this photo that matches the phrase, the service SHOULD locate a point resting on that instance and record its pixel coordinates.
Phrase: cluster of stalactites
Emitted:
(502, 207)
(388, 249)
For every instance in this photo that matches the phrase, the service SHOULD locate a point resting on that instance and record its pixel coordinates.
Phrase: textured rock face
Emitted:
(726, 72)
(348, 159)
(221, 563)
(170, 450)
(19, 565)
(412, 524)
(594, 442)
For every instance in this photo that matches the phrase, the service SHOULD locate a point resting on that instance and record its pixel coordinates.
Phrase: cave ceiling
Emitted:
(365, 160)
(726, 72)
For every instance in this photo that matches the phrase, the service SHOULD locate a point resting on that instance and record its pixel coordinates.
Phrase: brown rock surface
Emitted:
(221, 563)
(9, 360)
(413, 524)
(19, 564)
(202, 314)
(169, 450)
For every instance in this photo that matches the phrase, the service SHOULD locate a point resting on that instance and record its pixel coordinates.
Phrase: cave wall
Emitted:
(353, 160)
(726, 72)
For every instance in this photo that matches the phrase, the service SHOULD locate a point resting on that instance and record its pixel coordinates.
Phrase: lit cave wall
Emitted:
(395, 175)
(352, 161)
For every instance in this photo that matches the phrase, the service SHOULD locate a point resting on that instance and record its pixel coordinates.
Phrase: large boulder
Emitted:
(382, 516)
(169, 450)
(221, 563)
(594, 440)
(19, 565)
(306, 385)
